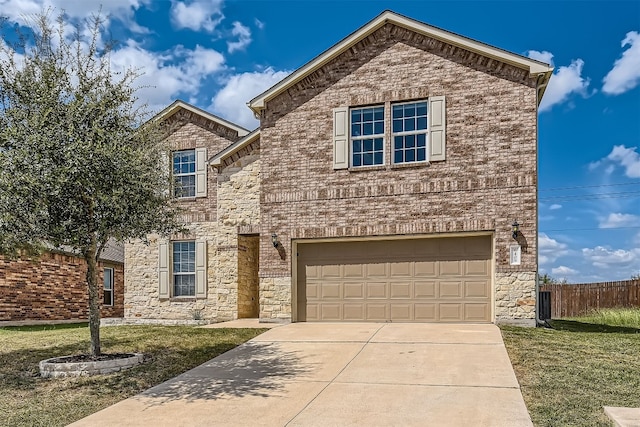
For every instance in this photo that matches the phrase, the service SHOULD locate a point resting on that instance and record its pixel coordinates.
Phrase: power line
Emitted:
(589, 186)
(590, 229)
(594, 196)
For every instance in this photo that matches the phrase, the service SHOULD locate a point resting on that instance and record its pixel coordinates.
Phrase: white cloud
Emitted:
(625, 74)
(628, 158)
(566, 81)
(555, 206)
(231, 101)
(20, 11)
(168, 74)
(244, 37)
(563, 271)
(616, 220)
(544, 56)
(604, 257)
(550, 249)
(197, 15)
(258, 23)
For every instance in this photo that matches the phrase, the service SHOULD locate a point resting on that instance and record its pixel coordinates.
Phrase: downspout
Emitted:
(539, 87)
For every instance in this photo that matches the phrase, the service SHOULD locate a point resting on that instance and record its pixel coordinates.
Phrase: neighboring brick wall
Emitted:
(488, 179)
(52, 288)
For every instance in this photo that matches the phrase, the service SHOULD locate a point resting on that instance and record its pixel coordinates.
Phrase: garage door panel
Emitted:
(400, 290)
(451, 312)
(476, 289)
(421, 280)
(354, 311)
(401, 312)
(401, 269)
(330, 312)
(330, 291)
(354, 271)
(425, 312)
(424, 289)
(425, 269)
(353, 290)
(476, 312)
(477, 268)
(450, 289)
(377, 312)
(450, 268)
(376, 290)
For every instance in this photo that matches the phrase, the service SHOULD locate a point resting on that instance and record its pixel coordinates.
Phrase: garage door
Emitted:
(410, 280)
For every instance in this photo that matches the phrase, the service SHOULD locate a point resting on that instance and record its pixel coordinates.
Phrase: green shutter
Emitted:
(341, 138)
(201, 172)
(437, 129)
(201, 269)
(163, 269)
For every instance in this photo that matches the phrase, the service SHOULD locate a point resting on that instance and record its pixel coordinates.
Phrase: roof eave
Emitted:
(178, 105)
(216, 159)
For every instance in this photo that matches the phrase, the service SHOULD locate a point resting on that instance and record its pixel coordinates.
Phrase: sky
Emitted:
(219, 54)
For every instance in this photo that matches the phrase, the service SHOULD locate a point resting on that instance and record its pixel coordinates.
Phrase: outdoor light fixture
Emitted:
(274, 240)
(515, 229)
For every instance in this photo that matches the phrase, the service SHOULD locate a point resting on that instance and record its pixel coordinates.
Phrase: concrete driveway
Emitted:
(340, 374)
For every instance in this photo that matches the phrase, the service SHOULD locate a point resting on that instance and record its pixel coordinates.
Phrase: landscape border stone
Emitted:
(50, 368)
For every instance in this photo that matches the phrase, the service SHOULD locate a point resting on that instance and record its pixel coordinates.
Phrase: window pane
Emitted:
(409, 141)
(397, 125)
(355, 130)
(409, 125)
(422, 123)
(397, 111)
(107, 300)
(368, 144)
(379, 128)
(397, 158)
(379, 114)
(356, 116)
(367, 115)
(397, 142)
(357, 160)
(357, 146)
(367, 159)
(410, 155)
(378, 144)
(367, 129)
(421, 155)
(421, 140)
(378, 158)
(421, 109)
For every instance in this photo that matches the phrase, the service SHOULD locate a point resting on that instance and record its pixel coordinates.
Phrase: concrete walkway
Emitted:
(347, 374)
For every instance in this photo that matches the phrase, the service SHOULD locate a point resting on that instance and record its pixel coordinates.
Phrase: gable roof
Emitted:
(216, 159)
(534, 67)
(181, 105)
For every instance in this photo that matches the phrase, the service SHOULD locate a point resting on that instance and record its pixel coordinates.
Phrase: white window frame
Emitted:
(181, 273)
(177, 175)
(108, 272)
(424, 132)
(372, 136)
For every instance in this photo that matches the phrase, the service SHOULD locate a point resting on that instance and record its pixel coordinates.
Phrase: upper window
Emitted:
(367, 136)
(108, 286)
(184, 269)
(184, 173)
(409, 122)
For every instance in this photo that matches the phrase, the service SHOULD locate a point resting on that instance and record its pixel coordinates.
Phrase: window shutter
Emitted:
(341, 138)
(201, 269)
(201, 172)
(163, 269)
(437, 126)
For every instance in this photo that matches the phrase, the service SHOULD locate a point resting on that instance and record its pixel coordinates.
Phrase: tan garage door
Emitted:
(411, 280)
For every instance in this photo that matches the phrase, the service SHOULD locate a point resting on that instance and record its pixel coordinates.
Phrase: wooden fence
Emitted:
(573, 300)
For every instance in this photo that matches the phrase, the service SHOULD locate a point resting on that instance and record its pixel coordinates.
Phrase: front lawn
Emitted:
(567, 374)
(28, 400)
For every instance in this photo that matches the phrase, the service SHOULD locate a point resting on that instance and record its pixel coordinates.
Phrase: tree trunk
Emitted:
(94, 297)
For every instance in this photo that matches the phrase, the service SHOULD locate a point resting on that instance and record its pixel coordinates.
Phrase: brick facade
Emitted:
(53, 288)
(487, 181)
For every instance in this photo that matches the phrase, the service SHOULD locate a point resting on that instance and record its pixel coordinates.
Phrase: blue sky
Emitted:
(219, 54)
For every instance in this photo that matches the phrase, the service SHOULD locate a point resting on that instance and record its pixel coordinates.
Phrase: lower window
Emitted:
(184, 269)
(108, 286)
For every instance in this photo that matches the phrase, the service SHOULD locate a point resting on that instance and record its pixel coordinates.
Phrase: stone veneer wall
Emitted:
(238, 212)
(52, 288)
(487, 181)
(237, 209)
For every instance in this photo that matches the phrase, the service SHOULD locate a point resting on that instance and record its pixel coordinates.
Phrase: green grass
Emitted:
(28, 400)
(567, 374)
(626, 317)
